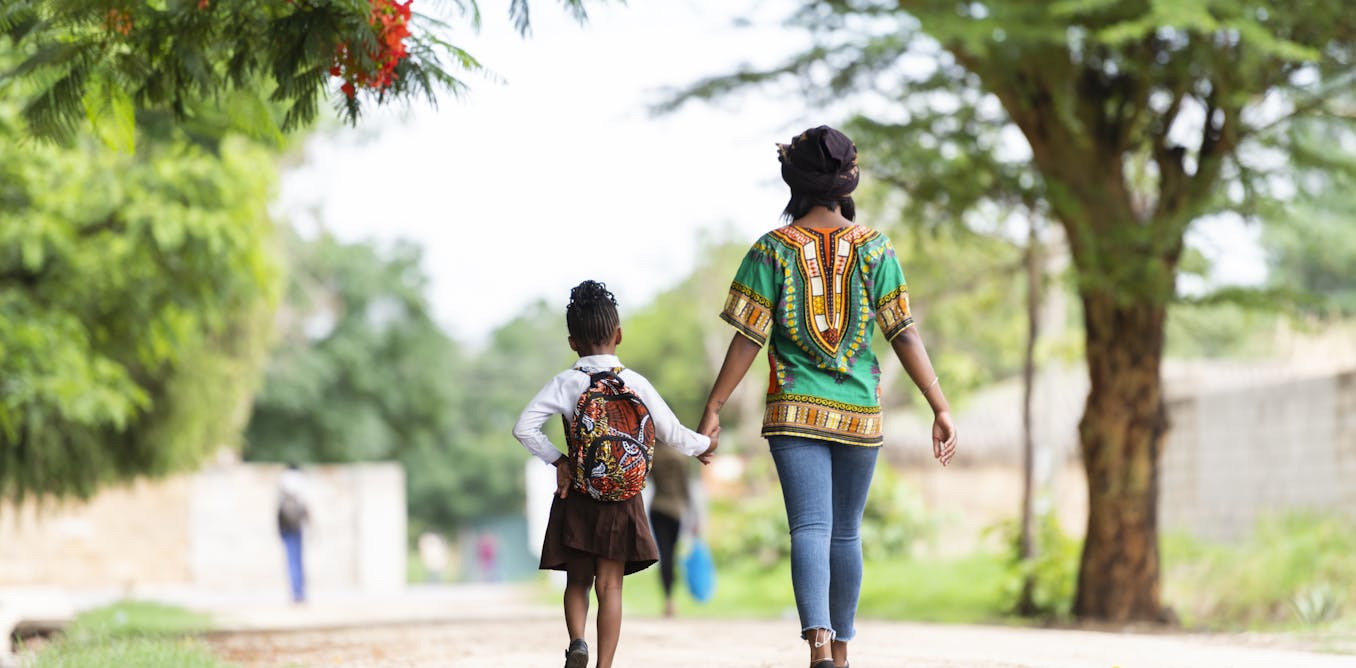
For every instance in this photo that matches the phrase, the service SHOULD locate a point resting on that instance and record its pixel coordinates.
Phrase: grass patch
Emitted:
(964, 590)
(131, 633)
(126, 652)
(961, 591)
(136, 619)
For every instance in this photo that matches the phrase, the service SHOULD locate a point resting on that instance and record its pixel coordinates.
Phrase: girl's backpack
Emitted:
(611, 438)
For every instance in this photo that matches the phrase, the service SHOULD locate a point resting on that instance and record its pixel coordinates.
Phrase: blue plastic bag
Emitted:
(700, 571)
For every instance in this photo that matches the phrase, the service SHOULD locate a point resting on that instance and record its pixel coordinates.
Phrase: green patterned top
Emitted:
(813, 293)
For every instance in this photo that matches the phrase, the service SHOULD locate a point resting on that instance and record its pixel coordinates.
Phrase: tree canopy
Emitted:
(137, 268)
(362, 372)
(135, 297)
(1124, 122)
(1310, 238)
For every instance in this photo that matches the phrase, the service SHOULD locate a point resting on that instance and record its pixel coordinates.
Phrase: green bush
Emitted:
(896, 518)
(754, 528)
(750, 530)
(1294, 570)
(1052, 572)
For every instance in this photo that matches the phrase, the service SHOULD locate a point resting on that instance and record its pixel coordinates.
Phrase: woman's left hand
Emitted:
(943, 437)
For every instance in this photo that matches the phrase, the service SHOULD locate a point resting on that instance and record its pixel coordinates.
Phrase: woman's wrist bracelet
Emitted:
(931, 385)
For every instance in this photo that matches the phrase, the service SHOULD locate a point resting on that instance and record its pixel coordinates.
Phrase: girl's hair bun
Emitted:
(590, 292)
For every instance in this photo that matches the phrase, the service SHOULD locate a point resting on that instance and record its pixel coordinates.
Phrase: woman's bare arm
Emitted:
(913, 355)
(738, 358)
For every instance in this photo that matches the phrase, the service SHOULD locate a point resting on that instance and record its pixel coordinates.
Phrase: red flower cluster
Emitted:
(391, 20)
(118, 21)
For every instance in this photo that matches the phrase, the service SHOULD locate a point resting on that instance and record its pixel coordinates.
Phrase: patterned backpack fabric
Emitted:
(611, 438)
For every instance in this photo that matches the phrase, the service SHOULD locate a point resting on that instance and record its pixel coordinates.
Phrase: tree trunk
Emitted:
(1121, 435)
(1026, 548)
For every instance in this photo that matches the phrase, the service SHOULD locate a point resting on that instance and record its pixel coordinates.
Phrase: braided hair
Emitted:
(591, 315)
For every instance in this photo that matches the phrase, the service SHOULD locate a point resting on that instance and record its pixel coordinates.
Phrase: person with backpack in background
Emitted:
(597, 531)
(670, 505)
(293, 516)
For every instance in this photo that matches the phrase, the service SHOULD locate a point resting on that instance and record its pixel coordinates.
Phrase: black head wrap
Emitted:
(820, 163)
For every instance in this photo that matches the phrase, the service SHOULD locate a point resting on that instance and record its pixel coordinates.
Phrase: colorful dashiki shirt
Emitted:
(814, 293)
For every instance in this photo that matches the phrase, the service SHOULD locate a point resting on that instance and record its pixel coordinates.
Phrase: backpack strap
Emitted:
(593, 373)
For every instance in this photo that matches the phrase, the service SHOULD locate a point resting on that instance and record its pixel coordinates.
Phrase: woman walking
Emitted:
(811, 289)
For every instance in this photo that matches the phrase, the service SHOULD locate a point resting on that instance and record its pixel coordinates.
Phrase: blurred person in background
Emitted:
(294, 515)
(434, 555)
(487, 551)
(671, 504)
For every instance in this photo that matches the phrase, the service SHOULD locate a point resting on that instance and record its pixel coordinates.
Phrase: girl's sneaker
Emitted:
(577, 656)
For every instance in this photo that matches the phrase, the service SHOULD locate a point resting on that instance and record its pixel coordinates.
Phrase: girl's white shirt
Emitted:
(561, 395)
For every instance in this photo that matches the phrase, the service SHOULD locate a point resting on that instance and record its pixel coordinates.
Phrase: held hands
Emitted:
(709, 426)
(564, 476)
(943, 437)
(705, 457)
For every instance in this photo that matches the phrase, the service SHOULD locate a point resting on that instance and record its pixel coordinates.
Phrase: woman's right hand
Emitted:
(943, 437)
(710, 421)
(705, 457)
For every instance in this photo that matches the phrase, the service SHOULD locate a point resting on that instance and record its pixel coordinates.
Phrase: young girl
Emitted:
(597, 542)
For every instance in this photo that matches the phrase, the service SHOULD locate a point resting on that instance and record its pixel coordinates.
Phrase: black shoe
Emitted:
(577, 656)
(822, 663)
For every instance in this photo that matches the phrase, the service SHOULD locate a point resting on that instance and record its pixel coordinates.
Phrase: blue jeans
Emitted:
(824, 486)
(296, 575)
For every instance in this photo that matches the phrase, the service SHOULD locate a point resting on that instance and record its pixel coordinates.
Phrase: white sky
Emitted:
(524, 188)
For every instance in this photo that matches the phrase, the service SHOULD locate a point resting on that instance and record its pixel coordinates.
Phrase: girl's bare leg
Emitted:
(578, 582)
(608, 583)
(839, 653)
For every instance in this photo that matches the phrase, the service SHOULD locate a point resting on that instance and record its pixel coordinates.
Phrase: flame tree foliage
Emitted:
(1125, 121)
(101, 59)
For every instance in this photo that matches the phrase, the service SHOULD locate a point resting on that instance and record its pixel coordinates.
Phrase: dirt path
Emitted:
(537, 642)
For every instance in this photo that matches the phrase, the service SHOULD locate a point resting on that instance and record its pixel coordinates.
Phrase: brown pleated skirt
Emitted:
(580, 527)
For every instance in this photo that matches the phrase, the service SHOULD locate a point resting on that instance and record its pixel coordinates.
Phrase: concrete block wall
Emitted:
(126, 535)
(215, 529)
(1234, 456)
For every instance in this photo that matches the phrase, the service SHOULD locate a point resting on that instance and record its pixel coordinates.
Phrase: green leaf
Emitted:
(32, 253)
(111, 114)
(251, 115)
(1071, 8)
